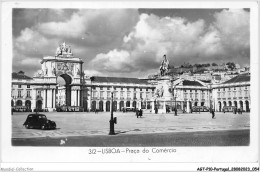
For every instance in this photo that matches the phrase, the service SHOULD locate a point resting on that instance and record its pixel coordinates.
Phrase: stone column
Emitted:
(104, 106)
(89, 98)
(188, 106)
(49, 99)
(118, 105)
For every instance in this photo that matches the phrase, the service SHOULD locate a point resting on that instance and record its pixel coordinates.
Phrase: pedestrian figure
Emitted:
(141, 113)
(137, 113)
(213, 114)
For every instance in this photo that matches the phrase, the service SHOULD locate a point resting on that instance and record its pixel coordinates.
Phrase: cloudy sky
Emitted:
(130, 42)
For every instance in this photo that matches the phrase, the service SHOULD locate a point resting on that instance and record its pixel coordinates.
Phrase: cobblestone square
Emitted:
(91, 124)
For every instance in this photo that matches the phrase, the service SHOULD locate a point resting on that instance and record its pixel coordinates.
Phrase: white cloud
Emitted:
(120, 41)
(113, 61)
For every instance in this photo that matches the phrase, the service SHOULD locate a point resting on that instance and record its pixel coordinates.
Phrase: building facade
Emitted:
(95, 93)
(234, 92)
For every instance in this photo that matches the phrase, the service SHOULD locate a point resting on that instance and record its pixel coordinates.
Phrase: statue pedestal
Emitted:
(164, 94)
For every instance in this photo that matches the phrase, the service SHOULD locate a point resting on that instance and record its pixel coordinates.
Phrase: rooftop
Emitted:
(239, 78)
(191, 83)
(118, 80)
(20, 75)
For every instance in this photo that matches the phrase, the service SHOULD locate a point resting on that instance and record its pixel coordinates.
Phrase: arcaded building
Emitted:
(234, 92)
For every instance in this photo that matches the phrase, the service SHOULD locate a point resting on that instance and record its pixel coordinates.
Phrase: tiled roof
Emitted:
(191, 83)
(239, 78)
(118, 80)
(20, 75)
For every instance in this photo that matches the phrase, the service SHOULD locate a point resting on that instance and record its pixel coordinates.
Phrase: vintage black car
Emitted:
(39, 121)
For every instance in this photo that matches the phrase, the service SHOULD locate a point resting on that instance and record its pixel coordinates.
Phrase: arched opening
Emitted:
(101, 106)
(128, 104)
(196, 104)
(19, 103)
(93, 105)
(115, 106)
(202, 103)
(12, 103)
(28, 104)
(148, 105)
(134, 104)
(85, 105)
(65, 80)
(235, 103)
(224, 103)
(39, 105)
(108, 106)
(219, 106)
(241, 105)
(229, 103)
(121, 105)
(143, 105)
(247, 106)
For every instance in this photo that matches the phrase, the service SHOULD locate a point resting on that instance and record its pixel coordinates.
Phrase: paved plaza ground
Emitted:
(91, 124)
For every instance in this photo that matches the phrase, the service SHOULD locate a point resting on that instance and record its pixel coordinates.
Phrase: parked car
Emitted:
(39, 121)
(126, 109)
(229, 108)
(200, 109)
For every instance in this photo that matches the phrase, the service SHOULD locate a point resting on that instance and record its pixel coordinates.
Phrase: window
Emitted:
(134, 89)
(185, 91)
(146, 89)
(101, 94)
(28, 94)
(128, 94)
(245, 87)
(191, 95)
(229, 94)
(115, 94)
(121, 88)
(134, 95)
(185, 95)
(229, 88)
(101, 88)
(195, 91)
(28, 86)
(196, 95)
(94, 94)
(219, 89)
(108, 88)
(19, 86)
(108, 94)
(223, 89)
(246, 93)
(140, 89)
(121, 94)
(93, 88)
(141, 95)
(234, 88)
(127, 89)
(19, 94)
(234, 93)
(218, 95)
(223, 94)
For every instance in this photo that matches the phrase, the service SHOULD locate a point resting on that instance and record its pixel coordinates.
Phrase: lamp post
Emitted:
(174, 96)
(112, 121)
(210, 106)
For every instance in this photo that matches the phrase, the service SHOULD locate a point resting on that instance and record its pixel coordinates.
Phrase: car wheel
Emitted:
(43, 127)
(27, 126)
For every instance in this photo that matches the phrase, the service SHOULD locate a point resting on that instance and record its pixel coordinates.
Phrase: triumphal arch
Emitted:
(64, 64)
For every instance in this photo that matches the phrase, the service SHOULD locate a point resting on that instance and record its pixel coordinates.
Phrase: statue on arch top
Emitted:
(63, 49)
(164, 68)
